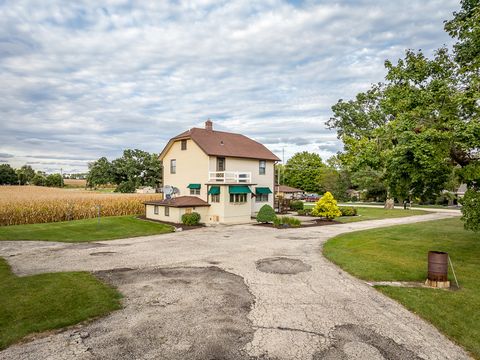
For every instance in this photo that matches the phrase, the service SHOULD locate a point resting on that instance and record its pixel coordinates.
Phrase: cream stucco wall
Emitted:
(252, 166)
(192, 168)
(227, 212)
(175, 214)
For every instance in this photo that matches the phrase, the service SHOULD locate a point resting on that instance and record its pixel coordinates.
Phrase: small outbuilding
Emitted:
(171, 210)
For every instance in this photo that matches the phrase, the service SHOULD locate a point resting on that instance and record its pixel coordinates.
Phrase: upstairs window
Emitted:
(262, 167)
(220, 164)
(173, 166)
(184, 144)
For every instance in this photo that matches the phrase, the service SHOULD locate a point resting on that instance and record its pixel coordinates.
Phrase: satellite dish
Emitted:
(167, 190)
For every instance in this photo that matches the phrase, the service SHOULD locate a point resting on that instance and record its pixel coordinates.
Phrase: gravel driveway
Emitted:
(230, 292)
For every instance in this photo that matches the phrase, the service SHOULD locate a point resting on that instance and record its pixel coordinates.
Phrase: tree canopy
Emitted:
(302, 171)
(419, 130)
(133, 169)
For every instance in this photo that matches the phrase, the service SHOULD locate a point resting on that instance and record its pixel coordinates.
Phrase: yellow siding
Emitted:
(192, 168)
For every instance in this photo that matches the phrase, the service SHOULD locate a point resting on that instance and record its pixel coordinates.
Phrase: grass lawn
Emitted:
(49, 301)
(400, 253)
(112, 227)
(370, 213)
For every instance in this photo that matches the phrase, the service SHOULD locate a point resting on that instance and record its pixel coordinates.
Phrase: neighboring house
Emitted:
(288, 192)
(225, 177)
(461, 191)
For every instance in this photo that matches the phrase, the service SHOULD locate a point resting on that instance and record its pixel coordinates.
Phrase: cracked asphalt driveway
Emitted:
(313, 310)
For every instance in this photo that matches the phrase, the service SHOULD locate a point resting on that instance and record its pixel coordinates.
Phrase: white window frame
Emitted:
(262, 167)
(261, 198)
(195, 191)
(238, 198)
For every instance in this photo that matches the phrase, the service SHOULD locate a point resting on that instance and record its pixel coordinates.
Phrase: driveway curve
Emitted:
(303, 307)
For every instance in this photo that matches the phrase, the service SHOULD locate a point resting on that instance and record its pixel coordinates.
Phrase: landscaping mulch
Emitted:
(318, 222)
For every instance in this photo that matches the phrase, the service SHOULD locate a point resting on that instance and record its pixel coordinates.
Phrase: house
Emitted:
(223, 176)
(288, 192)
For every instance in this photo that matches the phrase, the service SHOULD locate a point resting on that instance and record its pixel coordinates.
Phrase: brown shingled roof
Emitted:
(287, 189)
(180, 201)
(220, 143)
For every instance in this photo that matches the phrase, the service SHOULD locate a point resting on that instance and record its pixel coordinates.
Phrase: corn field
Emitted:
(35, 204)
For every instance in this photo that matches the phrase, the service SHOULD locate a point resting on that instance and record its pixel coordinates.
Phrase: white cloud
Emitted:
(83, 80)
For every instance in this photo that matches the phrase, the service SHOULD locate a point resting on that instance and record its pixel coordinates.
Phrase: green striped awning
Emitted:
(193, 186)
(214, 190)
(239, 189)
(262, 190)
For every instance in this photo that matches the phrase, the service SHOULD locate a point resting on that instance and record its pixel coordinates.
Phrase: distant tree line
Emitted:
(134, 169)
(27, 176)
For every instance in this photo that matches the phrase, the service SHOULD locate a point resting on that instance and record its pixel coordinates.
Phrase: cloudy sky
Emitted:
(85, 79)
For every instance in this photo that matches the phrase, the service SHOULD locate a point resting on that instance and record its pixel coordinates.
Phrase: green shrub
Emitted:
(304, 212)
(191, 219)
(286, 221)
(348, 210)
(326, 207)
(266, 214)
(296, 205)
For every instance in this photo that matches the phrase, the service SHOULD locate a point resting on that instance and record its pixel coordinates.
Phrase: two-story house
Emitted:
(223, 176)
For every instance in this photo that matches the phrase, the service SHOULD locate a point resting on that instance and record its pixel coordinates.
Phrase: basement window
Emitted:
(167, 211)
(155, 209)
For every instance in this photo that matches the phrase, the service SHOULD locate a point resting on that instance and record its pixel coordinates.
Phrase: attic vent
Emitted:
(221, 142)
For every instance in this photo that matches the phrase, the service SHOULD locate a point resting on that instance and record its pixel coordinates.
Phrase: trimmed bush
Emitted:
(303, 212)
(348, 210)
(296, 205)
(286, 221)
(191, 219)
(326, 207)
(266, 214)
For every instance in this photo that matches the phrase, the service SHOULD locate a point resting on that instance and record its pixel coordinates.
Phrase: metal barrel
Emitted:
(437, 266)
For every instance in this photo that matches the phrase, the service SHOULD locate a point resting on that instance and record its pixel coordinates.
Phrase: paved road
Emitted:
(320, 312)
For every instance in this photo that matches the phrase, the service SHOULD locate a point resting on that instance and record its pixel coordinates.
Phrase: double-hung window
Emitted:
(262, 167)
(261, 198)
(173, 166)
(184, 145)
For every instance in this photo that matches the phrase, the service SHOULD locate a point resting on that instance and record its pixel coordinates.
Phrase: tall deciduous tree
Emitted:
(422, 124)
(25, 174)
(100, 173)
(8, 175)
(135, 168)
(302, 171)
